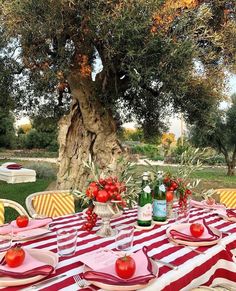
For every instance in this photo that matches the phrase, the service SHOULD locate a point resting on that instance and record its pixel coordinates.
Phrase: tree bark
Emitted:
(89, 129)
(231, 169)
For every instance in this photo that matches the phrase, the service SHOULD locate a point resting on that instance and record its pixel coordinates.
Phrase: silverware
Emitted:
(43, 283)
(171, 266)
(225, 232)
(80, 282)
(189, 247)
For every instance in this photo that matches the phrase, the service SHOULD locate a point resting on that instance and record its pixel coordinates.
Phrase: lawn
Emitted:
(18, 192)
(210, 178)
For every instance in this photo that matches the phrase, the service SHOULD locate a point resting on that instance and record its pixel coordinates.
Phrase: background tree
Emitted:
(166, 140)
(219, 133)
(148, 51)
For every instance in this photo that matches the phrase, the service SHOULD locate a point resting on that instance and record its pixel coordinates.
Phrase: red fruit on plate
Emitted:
(125, 267)
(15, 256)
(196, 229)
(22, 221)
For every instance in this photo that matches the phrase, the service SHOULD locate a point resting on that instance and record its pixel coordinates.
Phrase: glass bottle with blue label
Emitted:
(145, 203)
(159, 201)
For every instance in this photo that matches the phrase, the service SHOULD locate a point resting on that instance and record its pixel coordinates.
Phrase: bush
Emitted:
(147, 150)
(44, 170)
(214, 160)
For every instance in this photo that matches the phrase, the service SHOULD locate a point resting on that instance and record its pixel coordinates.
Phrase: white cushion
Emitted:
(17, 176)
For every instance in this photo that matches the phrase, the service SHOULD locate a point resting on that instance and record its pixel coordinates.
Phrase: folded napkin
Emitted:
(14, 166)
(184, 234)
(29, 268)
(231, 213)
(107, 275)
(33, 223)
(203, 204)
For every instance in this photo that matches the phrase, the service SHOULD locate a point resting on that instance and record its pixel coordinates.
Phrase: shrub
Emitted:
(44, 170)
(147, 150)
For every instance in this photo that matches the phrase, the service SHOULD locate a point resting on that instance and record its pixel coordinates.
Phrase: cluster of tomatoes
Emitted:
(91, 218)
(103, 190)
(107, 189)
(179, 187)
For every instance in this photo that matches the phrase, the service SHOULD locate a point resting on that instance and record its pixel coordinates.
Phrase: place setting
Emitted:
(25, 228)
(194, 234)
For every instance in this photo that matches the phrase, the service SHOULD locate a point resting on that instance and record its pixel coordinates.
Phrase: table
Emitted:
(218, 265)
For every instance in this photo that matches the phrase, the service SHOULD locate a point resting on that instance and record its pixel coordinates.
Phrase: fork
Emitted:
(189, 247)
(80, 282)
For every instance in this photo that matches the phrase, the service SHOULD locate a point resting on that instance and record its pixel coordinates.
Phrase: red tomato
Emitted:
(15, 257)
(102, 196)
(174, 185)
(22, 221)
(210, 201)
(196, 229)
(171, 188)
(169, 196)
(125, 267)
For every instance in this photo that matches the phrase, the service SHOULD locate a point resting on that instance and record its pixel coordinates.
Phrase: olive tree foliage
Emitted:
(7, 68)
(148, 49)
(219, 133)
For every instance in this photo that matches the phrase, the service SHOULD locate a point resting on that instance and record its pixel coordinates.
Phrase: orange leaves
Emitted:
(85, 68)
(169, 11)
(167, 138)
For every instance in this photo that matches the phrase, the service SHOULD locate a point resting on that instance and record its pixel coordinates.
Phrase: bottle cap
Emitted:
(145, 174)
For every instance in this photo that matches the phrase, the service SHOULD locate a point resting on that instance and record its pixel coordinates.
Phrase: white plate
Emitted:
(190, 243)
(30, 234)
(44, 256)
(125, 287)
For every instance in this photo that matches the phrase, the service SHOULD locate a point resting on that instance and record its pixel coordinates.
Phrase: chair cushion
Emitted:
(54, 204)
(228, 197)
(2, 212)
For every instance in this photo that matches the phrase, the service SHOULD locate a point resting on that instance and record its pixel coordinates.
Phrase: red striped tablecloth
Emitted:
(217, 265)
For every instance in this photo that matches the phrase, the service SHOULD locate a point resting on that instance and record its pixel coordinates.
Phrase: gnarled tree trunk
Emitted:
(231, 168)
(89, 129)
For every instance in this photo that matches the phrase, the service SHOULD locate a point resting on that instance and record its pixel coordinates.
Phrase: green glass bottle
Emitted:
(145, 203)
(159, 201)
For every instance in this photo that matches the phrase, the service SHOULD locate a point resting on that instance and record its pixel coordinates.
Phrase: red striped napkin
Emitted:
(231, 212)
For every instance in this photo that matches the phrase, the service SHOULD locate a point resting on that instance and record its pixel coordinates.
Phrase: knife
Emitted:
(171, 266)
(43, 283)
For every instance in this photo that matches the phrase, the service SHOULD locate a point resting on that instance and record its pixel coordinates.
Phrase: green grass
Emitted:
(210, 177)
(18, 193)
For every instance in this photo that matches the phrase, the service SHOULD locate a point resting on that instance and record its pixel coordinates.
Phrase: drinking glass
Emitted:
(125, 237)
(5, 237)
(66, 241)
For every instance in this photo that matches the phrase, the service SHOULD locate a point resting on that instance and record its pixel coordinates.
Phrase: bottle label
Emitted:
(145, 212)
(147, 189)
(162, 188)
(159, 208)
